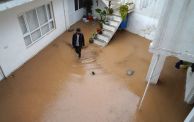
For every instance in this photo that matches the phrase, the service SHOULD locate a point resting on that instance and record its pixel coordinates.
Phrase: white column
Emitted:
(1, 74)
(190, 117)
(189, 89)
(155, 68)
(66, 14)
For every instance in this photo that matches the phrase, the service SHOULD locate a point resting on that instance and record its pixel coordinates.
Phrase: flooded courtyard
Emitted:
(56, 86)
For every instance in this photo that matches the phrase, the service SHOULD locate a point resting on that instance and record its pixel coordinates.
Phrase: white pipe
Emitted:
(147, 86)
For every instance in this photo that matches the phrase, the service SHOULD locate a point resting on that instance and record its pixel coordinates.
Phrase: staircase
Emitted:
(113, 23)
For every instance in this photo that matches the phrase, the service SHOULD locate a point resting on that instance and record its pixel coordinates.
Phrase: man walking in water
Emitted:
(78, 41)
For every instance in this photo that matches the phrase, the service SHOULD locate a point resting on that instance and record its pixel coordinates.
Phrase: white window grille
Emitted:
(36, 23)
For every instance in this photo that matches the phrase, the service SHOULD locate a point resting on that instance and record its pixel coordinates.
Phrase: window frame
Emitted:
(48, 22)
(78, 5)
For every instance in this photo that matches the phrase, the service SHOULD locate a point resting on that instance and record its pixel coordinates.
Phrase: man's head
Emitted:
(78, 30)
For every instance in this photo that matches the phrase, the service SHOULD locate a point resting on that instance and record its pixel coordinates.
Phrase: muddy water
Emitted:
(55, 86)
(97, 97)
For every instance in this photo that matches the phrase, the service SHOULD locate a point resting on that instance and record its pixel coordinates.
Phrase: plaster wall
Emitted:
(145, 18)
(72, 15)
(13, 52)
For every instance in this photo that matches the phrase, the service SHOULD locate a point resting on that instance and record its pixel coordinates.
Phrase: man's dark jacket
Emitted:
(81, 40)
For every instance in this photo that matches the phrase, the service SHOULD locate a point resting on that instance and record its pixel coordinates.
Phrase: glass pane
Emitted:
(23, 25)
(27, 40)
(45, 29)
(36, 35)
(32, 20)
(49, 11)
(42, 15)
(76, 4)
(51, 24)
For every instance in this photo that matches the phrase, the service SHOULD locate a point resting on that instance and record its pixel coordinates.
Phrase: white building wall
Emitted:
(144, 20)
(13, 52)
(73, 15)
(100, 5)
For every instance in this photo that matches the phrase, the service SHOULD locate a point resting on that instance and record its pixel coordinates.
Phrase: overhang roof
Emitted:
(8, 4)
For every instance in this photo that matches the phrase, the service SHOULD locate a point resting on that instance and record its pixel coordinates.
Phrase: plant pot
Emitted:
(110, 11)
(124, 23)
(90, 18)
(91, 40)
(99, 30)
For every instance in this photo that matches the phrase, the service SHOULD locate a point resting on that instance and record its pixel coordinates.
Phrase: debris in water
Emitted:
(87, 60)
(93, 73)
(70, 29)
(12, 76)
(55, 45)
(130, 72)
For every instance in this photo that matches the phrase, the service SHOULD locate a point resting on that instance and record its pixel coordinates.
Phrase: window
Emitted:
(78, 4)
(36, 23)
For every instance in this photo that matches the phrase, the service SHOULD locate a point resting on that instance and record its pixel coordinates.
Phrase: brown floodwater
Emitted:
(55, 86)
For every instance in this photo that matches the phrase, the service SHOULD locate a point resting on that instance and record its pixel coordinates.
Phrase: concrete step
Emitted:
(103, 37)
(115, 18)
(131, 7)
(108, 33)
(113, 0)
(108, 30)
(116, 21)
(115, 4)
(117, 13)
(113, 23)
(108, 27)
(115, 7)
(100, 42)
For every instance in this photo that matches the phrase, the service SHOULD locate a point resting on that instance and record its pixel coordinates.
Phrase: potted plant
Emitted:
(124, 9)
(99, 30)
(102, 14)
(87, 4)
(109, 9)
(91, 39)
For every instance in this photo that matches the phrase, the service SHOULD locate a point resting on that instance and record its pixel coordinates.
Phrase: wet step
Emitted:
(107, 32)
(113, 23)
(116, 18)
(109, 27)
(100, 42)
(103, 37)
(117, 14)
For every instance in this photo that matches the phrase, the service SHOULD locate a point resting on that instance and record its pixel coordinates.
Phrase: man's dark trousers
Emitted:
(78, 51)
